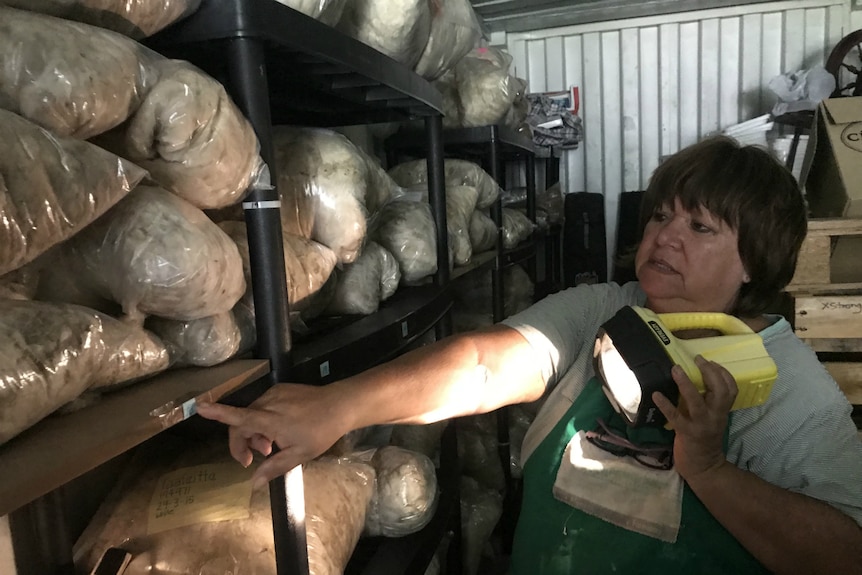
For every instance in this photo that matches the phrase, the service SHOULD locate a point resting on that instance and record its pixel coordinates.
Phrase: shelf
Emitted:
(365, 341)
(62, 447)
(520, 253)
(482, 261)
(317, 75)
(461, 142)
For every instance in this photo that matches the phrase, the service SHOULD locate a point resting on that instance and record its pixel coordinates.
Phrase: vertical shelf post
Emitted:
(262, 208)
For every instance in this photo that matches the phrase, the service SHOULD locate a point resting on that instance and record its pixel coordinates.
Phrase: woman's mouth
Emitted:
(662, 266)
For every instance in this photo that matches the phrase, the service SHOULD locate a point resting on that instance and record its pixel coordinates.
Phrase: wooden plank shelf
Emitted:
(828, 258)
(62, 447)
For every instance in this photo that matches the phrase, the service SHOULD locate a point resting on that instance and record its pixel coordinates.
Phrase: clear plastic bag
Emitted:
(20, 284)
(362, 285)
(455, 172)
(155, 254)
(397, 28)
(405, 493)
(323, 180)
(327, 11)
(52, 353)
(517, 227)
(73, 79)
(423, 439)
(201, 342)
(51, 187)
(406, 228)
(308, 265)
(134, 18)
(191, 137)
(455, 30)
(485, 88)
(483, 232)
(235, 522)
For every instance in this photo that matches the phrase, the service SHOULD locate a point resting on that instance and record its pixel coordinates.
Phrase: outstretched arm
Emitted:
(465, 374)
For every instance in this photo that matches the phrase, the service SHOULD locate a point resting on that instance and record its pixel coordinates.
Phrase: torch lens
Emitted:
(623, 388)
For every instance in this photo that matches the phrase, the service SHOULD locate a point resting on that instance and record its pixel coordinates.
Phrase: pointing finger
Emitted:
(222, 413)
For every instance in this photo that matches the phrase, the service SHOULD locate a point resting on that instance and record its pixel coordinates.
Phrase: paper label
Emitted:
(200, 494)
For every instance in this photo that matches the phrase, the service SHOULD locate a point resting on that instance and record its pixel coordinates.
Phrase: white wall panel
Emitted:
(650, 86)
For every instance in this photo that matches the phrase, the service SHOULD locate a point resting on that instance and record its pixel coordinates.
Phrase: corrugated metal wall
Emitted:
(650, 86)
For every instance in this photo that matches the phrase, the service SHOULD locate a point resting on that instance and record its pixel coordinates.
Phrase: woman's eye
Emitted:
(700, 228)
(659, 216)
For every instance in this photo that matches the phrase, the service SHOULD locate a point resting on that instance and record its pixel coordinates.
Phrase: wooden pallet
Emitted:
(848, 374)
(830, 260)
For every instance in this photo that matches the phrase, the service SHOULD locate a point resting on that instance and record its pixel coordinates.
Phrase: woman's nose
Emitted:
(671, 230)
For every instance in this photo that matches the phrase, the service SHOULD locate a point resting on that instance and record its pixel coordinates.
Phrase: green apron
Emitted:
(553, 538)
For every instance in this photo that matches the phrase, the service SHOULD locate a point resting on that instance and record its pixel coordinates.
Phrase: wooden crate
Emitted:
(829, 322)
(830, 260)
(848, 374)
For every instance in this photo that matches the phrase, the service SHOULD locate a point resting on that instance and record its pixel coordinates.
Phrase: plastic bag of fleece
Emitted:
(455, 173)
(405, 492)
(327, 186)
(483, 232)
(73, 79)
(327, 11)
(517, 227)
(397, 28)
(51, 187)
(308, 267)
(405, 226)
(52, 353)
(200, 342)
(485, 88)
(363, 284)
(191, 137)
(455, 30)
(134, 18)
(176, 494)
(154, 254)
(481, 509)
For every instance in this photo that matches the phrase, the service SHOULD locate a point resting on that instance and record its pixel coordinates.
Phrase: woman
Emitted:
(770, 488)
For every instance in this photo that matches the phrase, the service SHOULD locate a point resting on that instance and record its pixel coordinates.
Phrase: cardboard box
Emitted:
(832, 171)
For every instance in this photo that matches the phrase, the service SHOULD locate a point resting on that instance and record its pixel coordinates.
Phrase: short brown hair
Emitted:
(752, 192)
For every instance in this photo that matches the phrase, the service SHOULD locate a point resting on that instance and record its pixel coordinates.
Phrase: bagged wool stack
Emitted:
(73, 79)
(51, 187)
(154, 254)
(324, 181)
(308, 267)
(455, 30)
(52, 353)
(201, 342)
(134, 18)
(456, 173)
(363, 284)
(406, 228)
(486, 91)
(405, 493)
(190, 136)
(397, 28)
(174, 495)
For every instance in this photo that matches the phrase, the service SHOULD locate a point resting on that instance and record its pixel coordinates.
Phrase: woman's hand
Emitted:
(701, 419)
(302, 420)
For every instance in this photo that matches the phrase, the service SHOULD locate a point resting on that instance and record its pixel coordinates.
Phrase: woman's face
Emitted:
(689, 261)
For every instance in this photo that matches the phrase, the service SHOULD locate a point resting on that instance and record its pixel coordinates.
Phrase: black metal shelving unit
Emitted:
(491, 147)
(282, 67)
